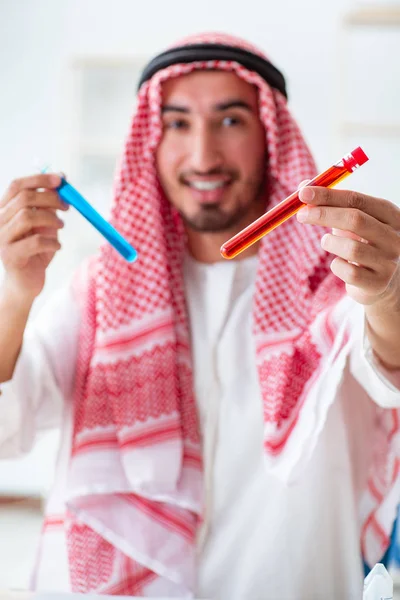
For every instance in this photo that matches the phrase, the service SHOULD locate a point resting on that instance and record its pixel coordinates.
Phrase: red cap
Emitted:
(355, 159)
(359, 156)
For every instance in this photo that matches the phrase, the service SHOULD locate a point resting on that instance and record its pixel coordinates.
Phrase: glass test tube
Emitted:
(291, 205)
(71, 196)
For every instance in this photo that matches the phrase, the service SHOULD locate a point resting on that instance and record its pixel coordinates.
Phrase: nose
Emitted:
(205, 153)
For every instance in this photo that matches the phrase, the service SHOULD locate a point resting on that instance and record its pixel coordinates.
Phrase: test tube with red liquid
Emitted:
(291, 205)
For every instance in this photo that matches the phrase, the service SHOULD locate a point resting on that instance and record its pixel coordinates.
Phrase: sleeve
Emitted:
(382, 385)
(33, 399)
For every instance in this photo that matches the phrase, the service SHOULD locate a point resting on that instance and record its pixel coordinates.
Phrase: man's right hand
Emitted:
(28, 232)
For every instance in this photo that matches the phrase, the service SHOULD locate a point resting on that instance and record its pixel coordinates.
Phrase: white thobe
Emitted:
(261, 539)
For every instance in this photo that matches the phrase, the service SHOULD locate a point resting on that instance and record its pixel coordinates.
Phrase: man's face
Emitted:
(211, 160)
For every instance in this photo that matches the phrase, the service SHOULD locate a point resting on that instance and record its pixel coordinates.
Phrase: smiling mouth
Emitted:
(207, 186)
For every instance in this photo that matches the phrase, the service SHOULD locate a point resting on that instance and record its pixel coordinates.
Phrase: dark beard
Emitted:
(212, 219)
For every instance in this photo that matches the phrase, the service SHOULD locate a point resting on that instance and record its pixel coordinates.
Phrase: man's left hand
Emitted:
(365, 240)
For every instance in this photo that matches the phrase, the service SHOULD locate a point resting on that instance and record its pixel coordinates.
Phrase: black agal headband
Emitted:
(201, 52)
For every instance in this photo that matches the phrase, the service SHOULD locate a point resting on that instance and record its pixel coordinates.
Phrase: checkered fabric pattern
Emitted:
(135, 411)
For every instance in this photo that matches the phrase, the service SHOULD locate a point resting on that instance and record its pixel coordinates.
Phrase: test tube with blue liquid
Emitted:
(71, 196)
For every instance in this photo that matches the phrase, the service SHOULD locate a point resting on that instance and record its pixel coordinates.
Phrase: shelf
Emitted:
(100, 148)
(373, 129)
(374, 16)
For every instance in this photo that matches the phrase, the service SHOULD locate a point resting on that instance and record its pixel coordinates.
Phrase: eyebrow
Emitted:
(222, 106)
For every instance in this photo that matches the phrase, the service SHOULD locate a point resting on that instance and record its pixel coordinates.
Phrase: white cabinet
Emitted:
(103, 102)
(369, 95)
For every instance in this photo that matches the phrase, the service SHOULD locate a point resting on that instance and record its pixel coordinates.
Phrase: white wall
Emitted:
(39, 39)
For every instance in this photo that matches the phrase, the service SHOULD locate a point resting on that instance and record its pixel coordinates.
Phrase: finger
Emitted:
(33, 182)
(361, 224)
(364, 279)
(28, 199)
(343, 233)
(360, 253)
(26, 221)
(46, 231)
(21, 251)
(380, 209)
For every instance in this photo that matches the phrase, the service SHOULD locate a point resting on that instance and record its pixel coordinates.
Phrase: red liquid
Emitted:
(280, 213)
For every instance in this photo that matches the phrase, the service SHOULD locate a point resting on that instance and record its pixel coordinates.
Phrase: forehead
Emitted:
(205, 89)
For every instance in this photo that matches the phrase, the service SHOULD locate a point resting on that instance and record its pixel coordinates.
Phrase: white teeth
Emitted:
(207, 186)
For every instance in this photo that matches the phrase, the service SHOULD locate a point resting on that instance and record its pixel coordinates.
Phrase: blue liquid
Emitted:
(71, 196)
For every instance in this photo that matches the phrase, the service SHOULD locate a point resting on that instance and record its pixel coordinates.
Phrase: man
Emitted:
(227, 429)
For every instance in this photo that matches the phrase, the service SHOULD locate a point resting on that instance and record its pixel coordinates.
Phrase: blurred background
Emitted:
(68, 74)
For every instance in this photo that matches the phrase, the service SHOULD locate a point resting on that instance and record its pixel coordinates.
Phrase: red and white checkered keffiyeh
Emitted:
(135, 481)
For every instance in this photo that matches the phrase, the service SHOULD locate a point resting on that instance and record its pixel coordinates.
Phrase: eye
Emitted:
(176, 124)
(231, 121)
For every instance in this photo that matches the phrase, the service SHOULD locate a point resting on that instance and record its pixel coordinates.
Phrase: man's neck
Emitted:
(205, 247)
